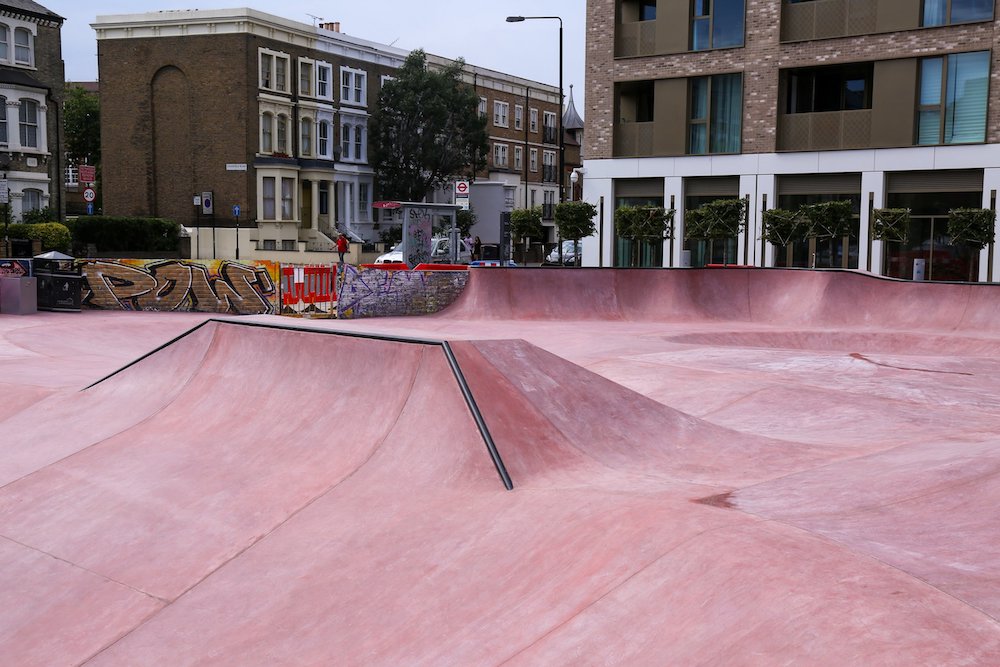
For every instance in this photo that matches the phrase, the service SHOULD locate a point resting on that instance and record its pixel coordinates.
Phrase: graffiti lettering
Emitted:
(212, 287)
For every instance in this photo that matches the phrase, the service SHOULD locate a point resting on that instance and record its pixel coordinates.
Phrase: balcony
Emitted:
(548, 211)
(823, 19)
(550, 134)
(634, 139)
(637, 38)
(549, 173)
(824, 131)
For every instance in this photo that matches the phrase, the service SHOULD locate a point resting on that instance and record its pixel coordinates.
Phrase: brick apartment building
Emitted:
(31, 94)
(271, 115)
(884, 103)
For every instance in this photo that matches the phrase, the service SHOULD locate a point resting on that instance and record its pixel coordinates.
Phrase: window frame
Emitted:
(26, 125)
(28, 46)
(533, 160)
(267, 132)
(533, 120)
(518, 158)
(501, 113)
(306, 136)
(324, 82)
(942, 106)
(355, 83)
(948, 9)
(707, 120)
(307, 76)
(518, 117)
(501, 155)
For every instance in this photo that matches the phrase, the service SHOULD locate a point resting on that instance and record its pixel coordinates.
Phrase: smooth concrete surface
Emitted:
(710, 467)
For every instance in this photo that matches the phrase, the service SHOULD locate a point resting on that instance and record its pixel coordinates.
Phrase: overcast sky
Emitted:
(471, 29)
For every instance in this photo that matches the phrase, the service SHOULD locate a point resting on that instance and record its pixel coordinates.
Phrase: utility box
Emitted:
(18, 296)
(920, 269)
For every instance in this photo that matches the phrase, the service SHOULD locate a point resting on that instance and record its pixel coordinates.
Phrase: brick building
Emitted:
(885, 103)
(271, 115)
(31, 94)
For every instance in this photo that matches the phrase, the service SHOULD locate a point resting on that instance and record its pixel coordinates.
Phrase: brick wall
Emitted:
(760, 61)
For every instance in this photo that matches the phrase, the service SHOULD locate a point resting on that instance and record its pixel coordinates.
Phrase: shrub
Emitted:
(53, 235)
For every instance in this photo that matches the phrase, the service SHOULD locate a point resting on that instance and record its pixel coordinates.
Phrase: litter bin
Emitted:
(60, 286)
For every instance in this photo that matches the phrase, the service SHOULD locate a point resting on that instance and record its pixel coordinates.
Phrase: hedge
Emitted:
(53, 235)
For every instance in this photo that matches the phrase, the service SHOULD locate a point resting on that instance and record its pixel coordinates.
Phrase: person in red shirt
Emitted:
(343, 246)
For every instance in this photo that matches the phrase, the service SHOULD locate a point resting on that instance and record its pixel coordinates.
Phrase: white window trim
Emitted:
(533, 159)
(533, 120)
(329, 80)
(518, 158)
(354, 120)
(355, 74)
(483, 103)
(14, 122)
(278, 58)
(500, 156)
(501, 114)
(312, 77)
(518, 117)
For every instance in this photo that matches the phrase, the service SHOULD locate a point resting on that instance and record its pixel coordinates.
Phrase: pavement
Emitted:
(709, 467)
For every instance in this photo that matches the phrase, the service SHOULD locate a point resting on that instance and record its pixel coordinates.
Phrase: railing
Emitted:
(549, 133)
(634, 139)
(637, 38)
(828, 130)
(823, 19)
(549, 173)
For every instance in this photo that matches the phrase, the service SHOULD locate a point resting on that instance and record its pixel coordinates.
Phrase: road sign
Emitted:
(88, 173)
(90, 208)
(89, 195)
(236, 210)
(236, 166)
(4, 191)
(207, 203)
(461, 188)
(463, 203)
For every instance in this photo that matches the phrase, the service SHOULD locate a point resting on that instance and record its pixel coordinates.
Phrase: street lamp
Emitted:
(562, 146)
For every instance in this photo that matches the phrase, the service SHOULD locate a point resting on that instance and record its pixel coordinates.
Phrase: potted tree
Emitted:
(575, 220)
(889, 225)
(526, 224)
(643, 224)
(783, 227)
(973, 227)
(827, 220)
(717, 220)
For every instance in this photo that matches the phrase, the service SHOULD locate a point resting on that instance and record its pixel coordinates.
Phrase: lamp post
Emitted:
(562, 146)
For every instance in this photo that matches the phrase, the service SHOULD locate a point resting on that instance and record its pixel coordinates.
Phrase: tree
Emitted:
(526, 223)
(82, 121)
(643, 224)
(575, 220)
(425, 129)
(720, 219)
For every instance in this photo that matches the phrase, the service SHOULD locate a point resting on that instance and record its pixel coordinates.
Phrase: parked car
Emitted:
(568, 253)
(440, 252)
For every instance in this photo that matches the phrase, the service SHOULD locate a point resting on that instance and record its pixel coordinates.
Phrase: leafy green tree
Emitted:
(716, 220)
(575, 220)
(425, 129)
(82, 122)
(643, 224)
(465, 219)
(526, 223)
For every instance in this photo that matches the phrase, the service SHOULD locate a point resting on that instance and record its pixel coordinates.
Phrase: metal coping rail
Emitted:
(456, 370)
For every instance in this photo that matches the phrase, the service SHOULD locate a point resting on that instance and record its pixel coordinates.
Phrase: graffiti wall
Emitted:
(208, 286)
(15, 268)
(379, 293)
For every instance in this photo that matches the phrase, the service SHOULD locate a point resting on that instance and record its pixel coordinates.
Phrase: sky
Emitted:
(472, 29)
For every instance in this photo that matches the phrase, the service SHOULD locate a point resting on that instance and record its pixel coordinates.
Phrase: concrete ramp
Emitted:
(770, 296)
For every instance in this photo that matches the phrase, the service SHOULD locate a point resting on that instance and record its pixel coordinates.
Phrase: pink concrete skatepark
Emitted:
(708, 467)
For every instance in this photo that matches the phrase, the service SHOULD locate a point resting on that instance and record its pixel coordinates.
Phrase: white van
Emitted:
(440, 252)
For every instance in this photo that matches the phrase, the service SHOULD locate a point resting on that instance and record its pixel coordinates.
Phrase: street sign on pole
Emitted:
(89, 195)
(88, 173)
(4, 191)
(461, 188)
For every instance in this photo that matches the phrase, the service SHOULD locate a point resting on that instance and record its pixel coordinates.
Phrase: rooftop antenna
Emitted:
(314, 18)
